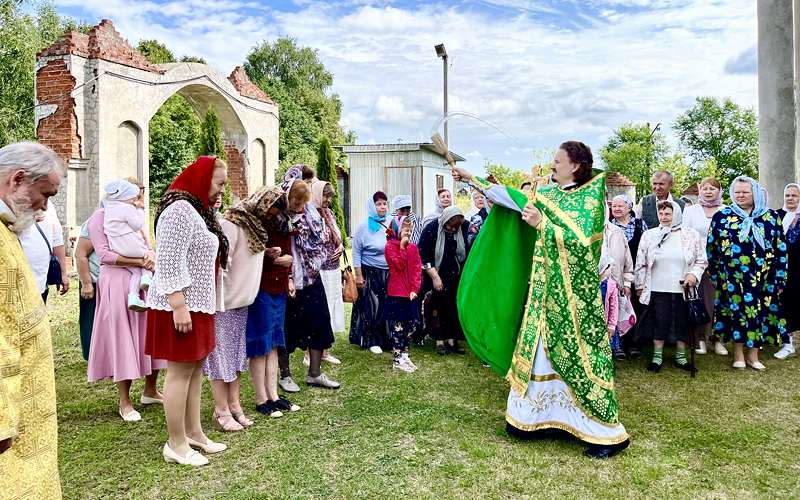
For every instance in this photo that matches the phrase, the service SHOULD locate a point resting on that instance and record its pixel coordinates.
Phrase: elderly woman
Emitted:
(243, 225)
(322, 196)
(443, 250)
(444, 199)
(748, 266)
(791, 294)
(308, 323)
(183, 299)
(117, 349)
(368, 329)
(671, 258)
(616, 269)
(698, 217)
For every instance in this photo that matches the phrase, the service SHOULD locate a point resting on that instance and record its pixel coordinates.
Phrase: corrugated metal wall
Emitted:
(395, 172)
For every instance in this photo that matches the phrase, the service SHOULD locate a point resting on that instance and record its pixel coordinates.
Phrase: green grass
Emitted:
(440, 432)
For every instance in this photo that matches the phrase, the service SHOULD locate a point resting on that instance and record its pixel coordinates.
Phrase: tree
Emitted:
(505, 175)
(326, 171)
(193, 59)
(156, 52)
(722, 131)
(22, 35)
(296, 79)
(210, 144)
(174, 138)
(636, 152)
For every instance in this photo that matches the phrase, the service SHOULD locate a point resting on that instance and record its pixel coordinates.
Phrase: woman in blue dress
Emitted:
(748, 265)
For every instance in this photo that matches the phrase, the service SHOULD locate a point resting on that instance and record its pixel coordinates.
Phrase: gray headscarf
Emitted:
(461, 251)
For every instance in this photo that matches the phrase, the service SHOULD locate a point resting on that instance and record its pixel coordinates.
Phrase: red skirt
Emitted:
(164, 342)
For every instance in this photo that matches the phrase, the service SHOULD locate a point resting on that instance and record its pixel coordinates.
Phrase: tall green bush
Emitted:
(326, 171)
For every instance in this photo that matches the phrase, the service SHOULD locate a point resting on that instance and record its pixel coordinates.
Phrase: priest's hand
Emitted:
(532, 215)
(461, 174)
(5, 445)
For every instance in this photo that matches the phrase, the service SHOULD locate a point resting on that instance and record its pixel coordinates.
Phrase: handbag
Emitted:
(698, 314)
(54, 267)
(349, 288)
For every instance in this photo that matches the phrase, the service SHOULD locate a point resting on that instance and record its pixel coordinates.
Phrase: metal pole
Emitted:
(446, 140)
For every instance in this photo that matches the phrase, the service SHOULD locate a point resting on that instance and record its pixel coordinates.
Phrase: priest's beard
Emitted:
(21, 206)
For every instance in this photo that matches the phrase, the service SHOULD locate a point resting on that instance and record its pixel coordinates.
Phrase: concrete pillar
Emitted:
(776, 115)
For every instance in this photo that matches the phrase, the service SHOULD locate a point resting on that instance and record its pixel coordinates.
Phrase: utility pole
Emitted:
(441, 52)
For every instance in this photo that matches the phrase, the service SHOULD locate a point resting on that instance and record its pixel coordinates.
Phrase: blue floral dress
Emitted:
(747, 278)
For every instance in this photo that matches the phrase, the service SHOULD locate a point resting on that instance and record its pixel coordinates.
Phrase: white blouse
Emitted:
(695, 218)
(186, 252)
(668, 268)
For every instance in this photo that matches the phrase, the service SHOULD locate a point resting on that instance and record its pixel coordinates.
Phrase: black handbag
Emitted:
(698, 314)
(54, 269)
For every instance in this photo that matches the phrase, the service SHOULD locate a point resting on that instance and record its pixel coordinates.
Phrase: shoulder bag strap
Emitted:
(49, 249)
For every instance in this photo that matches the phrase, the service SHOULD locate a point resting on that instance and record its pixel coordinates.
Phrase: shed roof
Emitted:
(391, 148)
(692, 190)
(617, 179)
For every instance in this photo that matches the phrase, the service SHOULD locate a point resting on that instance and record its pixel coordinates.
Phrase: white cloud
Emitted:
(635, 60)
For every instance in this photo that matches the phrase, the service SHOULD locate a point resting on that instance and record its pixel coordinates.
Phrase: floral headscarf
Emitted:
(759, 208)
(250, 213)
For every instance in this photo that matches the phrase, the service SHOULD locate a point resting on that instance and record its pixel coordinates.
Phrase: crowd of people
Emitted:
(219, 294)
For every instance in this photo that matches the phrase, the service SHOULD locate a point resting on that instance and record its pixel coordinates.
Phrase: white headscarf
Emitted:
(664, 231)
(461, 253)
(790, 214)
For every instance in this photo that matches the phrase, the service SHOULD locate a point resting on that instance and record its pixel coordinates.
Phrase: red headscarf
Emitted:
(196, 179)
(192, 185)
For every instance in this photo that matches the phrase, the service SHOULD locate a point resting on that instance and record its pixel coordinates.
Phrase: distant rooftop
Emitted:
(389, 148)
(617, 179)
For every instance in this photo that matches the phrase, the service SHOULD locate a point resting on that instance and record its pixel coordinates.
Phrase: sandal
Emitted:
(242, 418)
(225, 422)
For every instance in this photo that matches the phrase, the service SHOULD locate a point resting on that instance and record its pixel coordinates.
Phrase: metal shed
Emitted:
(408, 168)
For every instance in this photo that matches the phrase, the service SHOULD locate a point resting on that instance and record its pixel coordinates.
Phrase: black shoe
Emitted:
(543, 434)
(686, 367)
(270, 409)
(619, 354)
(455, 349)
(284, 404)
(654, 367)
(603, 451)
(441, 350)
(635, 353)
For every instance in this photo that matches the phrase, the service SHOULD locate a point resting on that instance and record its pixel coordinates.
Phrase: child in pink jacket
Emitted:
(405, 278)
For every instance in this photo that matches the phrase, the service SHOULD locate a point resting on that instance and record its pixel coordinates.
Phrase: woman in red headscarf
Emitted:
(183, 299)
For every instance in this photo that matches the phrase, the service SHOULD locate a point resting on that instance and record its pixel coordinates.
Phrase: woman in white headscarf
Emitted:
(443, 250)
(791, 294)
(670, 258)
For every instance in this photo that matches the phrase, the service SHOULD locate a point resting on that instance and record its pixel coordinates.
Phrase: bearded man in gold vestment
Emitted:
(29, 174)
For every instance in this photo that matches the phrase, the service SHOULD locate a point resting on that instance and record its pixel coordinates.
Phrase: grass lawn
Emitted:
(439, 432)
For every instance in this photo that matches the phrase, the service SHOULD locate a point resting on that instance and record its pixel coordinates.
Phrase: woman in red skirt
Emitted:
(183, 299)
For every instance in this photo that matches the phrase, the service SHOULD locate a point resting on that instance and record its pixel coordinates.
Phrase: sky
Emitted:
(536, 73)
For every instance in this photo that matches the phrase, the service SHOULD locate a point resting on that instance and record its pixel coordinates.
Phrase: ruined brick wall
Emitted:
(59, 130)
(237, 177)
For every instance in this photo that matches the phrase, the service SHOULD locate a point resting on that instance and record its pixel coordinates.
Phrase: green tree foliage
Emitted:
(155, 52)
(326, 171)
(297, 80)
(22, 35)
(636, 152)
(174, 138)
(193, 59)
(722, 131)
(210, 143)
(506, 176)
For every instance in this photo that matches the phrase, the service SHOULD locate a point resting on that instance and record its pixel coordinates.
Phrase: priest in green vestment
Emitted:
(547, 335)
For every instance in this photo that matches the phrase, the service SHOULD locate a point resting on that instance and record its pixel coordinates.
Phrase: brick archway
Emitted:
(95, 96)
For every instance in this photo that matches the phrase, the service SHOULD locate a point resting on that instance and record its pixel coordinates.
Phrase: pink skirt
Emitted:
(118, 334)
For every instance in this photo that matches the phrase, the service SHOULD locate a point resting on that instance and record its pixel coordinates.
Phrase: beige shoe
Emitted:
(757, 365)
(147, 400)
(719, 349)
(192, 458)
(210, 446)
(739, 365)
(701, 347)
(131, 416)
